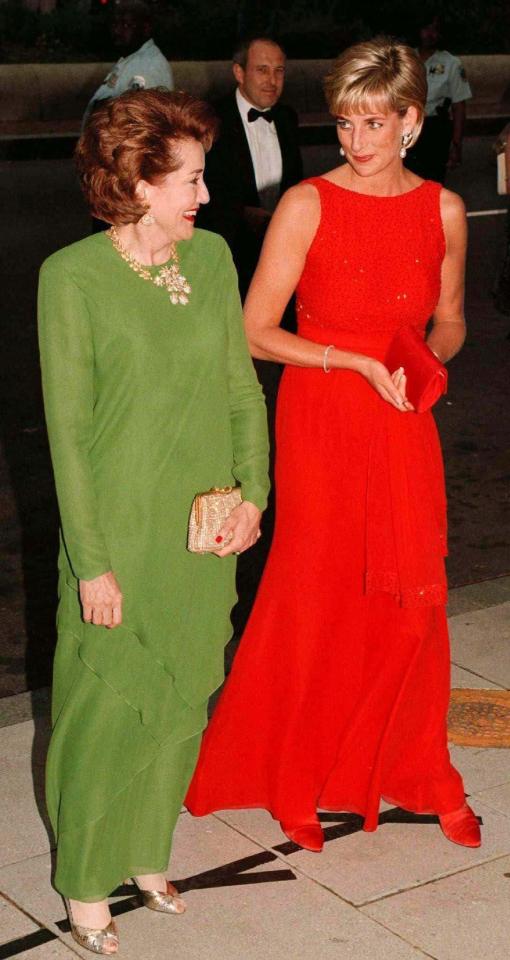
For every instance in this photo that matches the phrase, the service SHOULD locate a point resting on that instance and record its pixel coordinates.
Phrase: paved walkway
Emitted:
(402, 893)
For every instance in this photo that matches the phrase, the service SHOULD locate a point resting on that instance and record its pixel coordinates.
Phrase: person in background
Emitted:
(254, 161)
(440, 144)
(502, 291)
(141, 65)
(256, 157)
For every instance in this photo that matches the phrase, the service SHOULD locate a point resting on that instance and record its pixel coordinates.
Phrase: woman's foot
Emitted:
(151, 881)
(309, 835)
(159, 894)
(92, 926)
(461, 827)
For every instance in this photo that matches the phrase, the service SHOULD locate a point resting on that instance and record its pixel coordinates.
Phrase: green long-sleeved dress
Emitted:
(147, 403)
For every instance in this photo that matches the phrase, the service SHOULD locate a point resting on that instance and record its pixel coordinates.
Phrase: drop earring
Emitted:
(406, 141)
(147, 219)
(342, 152)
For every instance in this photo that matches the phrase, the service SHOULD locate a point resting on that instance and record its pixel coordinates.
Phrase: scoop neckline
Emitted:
(374, 196)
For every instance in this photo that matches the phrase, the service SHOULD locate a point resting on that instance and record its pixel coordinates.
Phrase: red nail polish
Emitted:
(219, 539)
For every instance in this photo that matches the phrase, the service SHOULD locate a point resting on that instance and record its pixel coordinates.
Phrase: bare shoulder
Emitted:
(453, 217)
(298, 214)
(303, 199)
(453, 209)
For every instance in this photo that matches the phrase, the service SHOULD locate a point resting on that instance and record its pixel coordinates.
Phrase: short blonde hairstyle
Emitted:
(378, 74)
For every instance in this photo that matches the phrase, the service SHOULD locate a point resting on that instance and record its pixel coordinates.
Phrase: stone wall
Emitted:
(48, 99)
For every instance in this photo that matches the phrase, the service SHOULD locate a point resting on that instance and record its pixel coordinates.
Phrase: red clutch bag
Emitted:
(427, 377)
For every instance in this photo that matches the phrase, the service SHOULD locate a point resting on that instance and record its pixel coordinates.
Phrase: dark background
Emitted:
(43, 210)
(207, 29)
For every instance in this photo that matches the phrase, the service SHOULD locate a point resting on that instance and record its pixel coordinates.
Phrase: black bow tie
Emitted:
(254, 114)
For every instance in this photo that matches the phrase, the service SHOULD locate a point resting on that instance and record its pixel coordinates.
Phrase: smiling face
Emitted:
(261, 80)
(372, 141)
(174, 200)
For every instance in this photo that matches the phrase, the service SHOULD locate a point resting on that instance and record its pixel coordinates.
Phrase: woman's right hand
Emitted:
(391, 387)
(101, 601)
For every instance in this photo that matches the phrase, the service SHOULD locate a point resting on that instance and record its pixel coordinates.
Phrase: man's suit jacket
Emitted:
(230, 179)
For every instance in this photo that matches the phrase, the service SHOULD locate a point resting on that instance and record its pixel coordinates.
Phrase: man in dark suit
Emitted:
(256, 157)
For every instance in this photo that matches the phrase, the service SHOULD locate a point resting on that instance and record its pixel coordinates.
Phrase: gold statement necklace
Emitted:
(169, 276)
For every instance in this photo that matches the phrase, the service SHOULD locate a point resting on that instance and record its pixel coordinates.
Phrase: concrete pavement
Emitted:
(402, 893)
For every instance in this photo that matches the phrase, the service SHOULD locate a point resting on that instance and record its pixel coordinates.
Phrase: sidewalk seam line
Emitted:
(479, 675)
(284, 859)
(438, 879)
(13, 863)
(38, 923)
(325, 887)
(399, 936)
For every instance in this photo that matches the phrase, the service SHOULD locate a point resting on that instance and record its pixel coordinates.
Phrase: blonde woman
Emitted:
(339, 693)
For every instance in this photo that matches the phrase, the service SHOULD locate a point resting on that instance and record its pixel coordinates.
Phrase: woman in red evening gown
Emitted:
(339, 692)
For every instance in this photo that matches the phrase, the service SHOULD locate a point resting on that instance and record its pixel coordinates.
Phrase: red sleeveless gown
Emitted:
(339, 691)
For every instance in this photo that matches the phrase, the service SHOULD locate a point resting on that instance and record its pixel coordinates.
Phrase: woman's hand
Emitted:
(240, 531)
(391, 387)
(101, 601)
(400, 380)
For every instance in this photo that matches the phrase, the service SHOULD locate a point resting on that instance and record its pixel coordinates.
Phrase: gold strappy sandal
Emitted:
(93, 939)
(169, 902)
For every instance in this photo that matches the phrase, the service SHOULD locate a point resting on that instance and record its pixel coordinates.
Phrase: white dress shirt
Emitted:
(265, 154)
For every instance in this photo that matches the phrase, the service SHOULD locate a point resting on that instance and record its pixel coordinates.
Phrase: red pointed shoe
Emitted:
(461, 826)
(307, 835)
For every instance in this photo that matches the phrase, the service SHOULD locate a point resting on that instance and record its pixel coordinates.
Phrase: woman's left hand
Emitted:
(240, 531)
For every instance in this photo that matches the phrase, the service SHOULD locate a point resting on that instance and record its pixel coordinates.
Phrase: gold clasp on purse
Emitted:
(198, 501)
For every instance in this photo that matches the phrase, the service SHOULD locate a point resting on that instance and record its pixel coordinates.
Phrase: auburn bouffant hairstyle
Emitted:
(136, 137)
(381, 73)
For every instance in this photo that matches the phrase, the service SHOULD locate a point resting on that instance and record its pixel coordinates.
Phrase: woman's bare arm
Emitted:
(449, 329)
(281, 264)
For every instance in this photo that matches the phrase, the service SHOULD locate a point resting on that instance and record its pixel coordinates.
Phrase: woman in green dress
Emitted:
(150, 398)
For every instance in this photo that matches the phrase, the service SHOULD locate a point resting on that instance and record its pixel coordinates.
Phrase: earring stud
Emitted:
(147, 219)
(342, 152)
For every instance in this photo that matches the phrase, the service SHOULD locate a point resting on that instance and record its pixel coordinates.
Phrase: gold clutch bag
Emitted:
(208, 514)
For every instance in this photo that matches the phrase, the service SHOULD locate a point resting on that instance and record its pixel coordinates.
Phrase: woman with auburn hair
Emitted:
(339, 692)
(150, 398)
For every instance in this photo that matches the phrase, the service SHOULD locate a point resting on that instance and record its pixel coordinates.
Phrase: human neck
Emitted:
(390, 182)
(149, 245)
(251, 103)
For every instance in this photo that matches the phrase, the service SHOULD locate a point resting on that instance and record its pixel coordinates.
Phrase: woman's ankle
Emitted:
(94, 915)
(151, 881)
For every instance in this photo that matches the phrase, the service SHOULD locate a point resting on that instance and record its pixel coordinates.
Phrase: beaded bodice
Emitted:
(374, 263)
